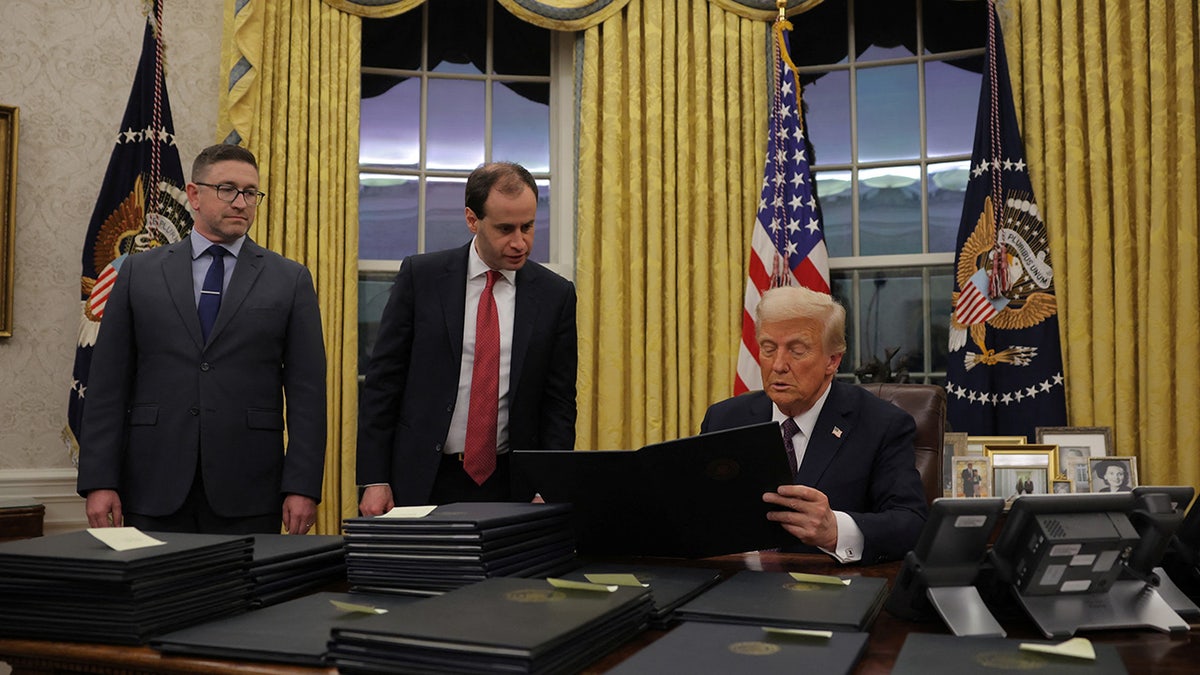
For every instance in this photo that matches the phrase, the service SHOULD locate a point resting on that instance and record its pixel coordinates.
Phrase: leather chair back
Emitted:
(927, 405)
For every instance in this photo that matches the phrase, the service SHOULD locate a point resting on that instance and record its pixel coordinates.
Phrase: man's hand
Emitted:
(808, 516)
(103, 508)
(376, 500)
(299, 514)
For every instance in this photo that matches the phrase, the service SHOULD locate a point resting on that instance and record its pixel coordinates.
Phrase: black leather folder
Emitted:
(692, 497)
(670, 585)
(777, 599)
(936, 654)
(721, 649)
(294, 632)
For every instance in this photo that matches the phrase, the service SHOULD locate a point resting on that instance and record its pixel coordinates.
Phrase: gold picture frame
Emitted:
(8, 213)
(954, 444)
(976, 444)
(1025, 455)
(1077, 443)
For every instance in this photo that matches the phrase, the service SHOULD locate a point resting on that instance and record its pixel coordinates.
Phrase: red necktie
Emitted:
(479, 457)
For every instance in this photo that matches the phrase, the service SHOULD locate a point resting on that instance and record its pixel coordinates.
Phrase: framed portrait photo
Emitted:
(1113, 474)
(1042, 456)
(976, 444)
(1079, 474)
(1060, 486)
(1076, 442)
(954, 444)
(1011, 482)
(972, 476)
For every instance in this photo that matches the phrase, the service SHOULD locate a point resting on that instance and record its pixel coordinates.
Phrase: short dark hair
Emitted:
(507, 177)
(221, 152)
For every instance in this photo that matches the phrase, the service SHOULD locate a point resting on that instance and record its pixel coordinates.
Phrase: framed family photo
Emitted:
(954, 444)
(977, 444)
(1076, 443)
(1079, 474)
(1060, 486)
(1043, 456)
(972, 476)
(1013, 481)
(1113, 474)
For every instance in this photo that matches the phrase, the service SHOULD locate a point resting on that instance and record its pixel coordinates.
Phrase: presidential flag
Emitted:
(788, 243)
(1004, 376)
(142, 204)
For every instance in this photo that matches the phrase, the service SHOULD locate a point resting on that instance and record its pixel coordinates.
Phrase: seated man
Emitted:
(857, 494)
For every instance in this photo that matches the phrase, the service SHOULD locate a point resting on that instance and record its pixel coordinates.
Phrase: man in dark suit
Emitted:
(200, 342)
(857, 494)
(429, 431)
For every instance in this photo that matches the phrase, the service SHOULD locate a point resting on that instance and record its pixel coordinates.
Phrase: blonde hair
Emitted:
(797, 302)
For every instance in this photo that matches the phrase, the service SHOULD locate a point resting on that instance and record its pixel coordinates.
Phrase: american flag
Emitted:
(142, 204)
(788, 244)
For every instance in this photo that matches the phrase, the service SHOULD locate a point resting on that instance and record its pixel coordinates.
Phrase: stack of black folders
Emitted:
(499, 625)
(287, 566)
(457, 544)
(292, 632)
(670, 585)
(74, 587)
(935, 654)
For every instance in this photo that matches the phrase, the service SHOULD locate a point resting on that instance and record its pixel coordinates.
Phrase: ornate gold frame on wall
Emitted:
(8, 214)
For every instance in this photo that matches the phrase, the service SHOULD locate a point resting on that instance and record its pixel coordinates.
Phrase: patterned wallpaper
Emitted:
(69, 65)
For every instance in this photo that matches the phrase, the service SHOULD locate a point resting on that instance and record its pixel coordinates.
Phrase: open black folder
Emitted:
(693, 497)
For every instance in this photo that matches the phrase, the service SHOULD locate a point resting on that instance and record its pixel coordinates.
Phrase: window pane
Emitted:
(541, 226)
(834, 193)
(387, 217)
(893, 317)
(951, 100)
(888, 116)
(947, 188)
(889, 210)
(455, 125)
(941, 285)
(445, 220)
(828, 117)
(521, 128)
(373, 291)
(841, 288)
(388, 125)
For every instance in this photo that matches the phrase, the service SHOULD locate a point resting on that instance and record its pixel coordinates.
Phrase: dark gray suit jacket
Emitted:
(860, 455)
(412, 380)
(159, 400)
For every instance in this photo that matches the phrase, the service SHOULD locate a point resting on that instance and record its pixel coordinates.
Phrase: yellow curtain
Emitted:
(292, 69)
(672, 136)
(1107, 96)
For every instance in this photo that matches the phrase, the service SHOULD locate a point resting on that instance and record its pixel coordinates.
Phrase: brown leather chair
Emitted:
(927, 405)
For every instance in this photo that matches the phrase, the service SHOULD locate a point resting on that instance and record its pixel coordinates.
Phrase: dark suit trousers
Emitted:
(197, 516)
(454, 485)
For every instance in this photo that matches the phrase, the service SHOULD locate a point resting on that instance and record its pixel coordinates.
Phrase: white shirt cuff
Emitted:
(850, 539)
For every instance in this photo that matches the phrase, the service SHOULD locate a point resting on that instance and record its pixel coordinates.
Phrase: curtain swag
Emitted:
(568, 15)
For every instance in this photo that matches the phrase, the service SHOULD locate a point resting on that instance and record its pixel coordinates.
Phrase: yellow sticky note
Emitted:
(820, 579)
(409, 511)
(802, 632)
(1078, 648)
(123, 538)
(356, 607)
(581, 585)
(615, 580)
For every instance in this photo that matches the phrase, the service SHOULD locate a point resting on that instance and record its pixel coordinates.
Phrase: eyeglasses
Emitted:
(228, 193)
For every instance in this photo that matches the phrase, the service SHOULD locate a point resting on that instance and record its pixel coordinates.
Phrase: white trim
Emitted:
(54, 489)
(562, 153)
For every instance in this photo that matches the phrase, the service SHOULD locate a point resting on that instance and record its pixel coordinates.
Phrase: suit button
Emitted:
(194, 411)
(438, 447)
(450, 408)
(205, 367)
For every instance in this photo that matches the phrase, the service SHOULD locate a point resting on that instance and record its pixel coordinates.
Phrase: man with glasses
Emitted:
(201, 341)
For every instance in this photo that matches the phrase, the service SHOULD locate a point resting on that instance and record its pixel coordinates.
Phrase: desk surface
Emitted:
(1142, 651)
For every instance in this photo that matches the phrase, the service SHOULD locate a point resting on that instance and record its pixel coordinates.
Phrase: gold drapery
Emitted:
(292, 98)
(672, 136)
(1107, 100)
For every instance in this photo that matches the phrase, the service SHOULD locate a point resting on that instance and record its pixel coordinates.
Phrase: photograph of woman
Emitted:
(1112, 475)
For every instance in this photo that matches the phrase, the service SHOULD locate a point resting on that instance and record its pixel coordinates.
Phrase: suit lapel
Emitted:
(833, 425)
(177, 274)
(525, 317)
(451, 283)
(245, 272)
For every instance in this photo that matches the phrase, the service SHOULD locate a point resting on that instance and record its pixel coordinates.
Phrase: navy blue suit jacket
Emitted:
(412, 379)
(860, 455)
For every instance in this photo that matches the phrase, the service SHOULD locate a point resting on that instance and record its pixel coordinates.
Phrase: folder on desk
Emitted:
(777, 599)
(935, 654)
(719, 649)
(693, 497)
(670, 585)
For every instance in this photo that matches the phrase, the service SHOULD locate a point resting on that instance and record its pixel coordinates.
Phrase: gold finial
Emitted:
(781, 5)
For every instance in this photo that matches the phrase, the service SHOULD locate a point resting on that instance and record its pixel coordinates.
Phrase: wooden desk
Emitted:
(20, 519)
(1143, 652)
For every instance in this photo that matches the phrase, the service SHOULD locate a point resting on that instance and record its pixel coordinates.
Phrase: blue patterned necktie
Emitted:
(790, 428)
(210, 292)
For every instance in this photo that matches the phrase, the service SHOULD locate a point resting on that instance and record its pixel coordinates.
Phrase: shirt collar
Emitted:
(477, 268)
(200, 244)
(807, 420)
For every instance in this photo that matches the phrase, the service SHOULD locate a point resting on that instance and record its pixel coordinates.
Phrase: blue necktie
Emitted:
(790, 428)
(210, 292)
